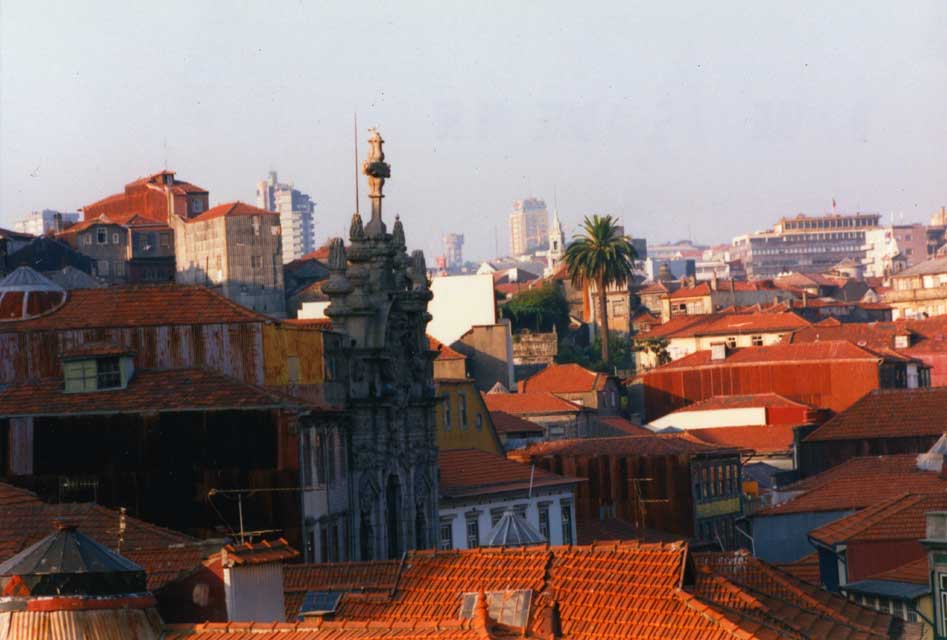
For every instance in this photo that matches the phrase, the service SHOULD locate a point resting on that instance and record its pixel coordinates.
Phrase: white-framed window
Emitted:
(115, 238)
(102, 268)
(544, 521)
(473, 532)
(756, 341)
(566, 510)
(445, 540)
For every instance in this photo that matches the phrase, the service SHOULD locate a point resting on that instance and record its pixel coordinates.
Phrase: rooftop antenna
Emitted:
(355, 139)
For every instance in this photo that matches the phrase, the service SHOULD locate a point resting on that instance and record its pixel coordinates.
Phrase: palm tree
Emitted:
(600, 255)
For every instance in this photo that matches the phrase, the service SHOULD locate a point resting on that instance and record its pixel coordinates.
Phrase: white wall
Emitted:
(459, 303)
(714, 418)
(555, 498)
(312, 310)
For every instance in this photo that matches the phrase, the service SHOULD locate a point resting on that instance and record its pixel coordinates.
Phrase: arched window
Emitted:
(393, 516)
(420, 526)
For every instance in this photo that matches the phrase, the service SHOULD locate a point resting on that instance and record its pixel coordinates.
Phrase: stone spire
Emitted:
(557, 244)
(377, 171)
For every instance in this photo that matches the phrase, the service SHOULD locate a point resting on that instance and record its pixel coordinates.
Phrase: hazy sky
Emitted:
(712, 118)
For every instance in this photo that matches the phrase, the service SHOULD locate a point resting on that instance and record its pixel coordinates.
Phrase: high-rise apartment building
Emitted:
(296, 215)
(39, 223)
(453, 250)
(529, 226)
(807, 244)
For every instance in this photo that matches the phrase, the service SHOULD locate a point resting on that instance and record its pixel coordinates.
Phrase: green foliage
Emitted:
(538, 309)
(622, 356)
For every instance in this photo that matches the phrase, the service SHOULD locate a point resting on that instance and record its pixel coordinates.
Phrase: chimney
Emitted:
(805, 298)
(713, 281)
(57, 222)
(718, 351)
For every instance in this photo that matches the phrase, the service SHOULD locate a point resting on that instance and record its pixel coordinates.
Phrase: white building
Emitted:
(296, 215)
(459, 303)
(477, 488)
(39, 223)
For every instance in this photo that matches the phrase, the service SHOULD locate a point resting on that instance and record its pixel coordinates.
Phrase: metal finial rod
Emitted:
(355, 140)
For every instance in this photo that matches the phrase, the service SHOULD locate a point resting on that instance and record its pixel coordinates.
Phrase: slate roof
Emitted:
(148, 391)
(889, 413)
(758, 438)
(842, 488)
(564, 378)
(503, 422)
(472, 472)
(138, 306)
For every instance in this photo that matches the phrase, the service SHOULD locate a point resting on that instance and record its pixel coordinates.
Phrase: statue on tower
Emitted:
(377, 171)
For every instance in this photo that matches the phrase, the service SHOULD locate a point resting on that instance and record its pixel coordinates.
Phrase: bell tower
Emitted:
(557, 244)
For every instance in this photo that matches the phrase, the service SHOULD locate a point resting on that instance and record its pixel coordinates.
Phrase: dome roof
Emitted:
(26, 293)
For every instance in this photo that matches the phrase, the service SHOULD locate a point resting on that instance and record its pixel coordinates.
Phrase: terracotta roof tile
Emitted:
(505, 423)
(805, 568)
(148, 391)
(139, 305)
(167, 563)
(653, 445)
(443, 351)
(741, 324)
(564, 378)
(90, 349)
(842, 488)
(471, 472)
(624, 426)
(11, 495)
(889, 413)
(758, 438)
(898, 518)
(752, 400)
(230, 210)
(805, 352)
(525, 404)
(914, 572)
(258, 553)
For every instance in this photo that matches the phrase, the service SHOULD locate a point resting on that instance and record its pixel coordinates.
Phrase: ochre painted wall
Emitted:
(457, 435)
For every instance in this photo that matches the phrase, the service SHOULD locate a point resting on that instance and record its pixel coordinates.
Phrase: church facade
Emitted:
(370, 475)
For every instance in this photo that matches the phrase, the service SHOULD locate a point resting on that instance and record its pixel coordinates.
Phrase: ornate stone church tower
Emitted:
(557, 244)
(378, 302)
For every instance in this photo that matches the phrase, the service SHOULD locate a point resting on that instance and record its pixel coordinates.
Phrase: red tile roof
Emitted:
(653, 445)
(842, 488)
(472, 472)
(723, 286)
(728, 324)
(11, 495)
(564, 378)
(231, 210)
(889, 413)
(506, 423)
(926, 335)
(751, 400)
(443, 351)
(914, 572)
(27, 523)
(805, 568)
(899, 518)
(166, 564)
(257, 553)
(94, 349)
(526, 404)
(624, 426)
(324, 324)
(758, 438)
(137, 306)
(589, 586)
(170, 390)
(747, 589)
(836, 351)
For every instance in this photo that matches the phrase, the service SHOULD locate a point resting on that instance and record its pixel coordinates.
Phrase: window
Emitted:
(495, 515)
(196, 205)
(108, 373)
(731, 342)
(87, 238)
(256, 262)
(462, 410)
(102, 236)
(544, 520)
(166, 241)
(115, 238)
(255, 221)
(446, 538)
(318, 452)
(473, 532)
(102, 268)
(479, 422)
(566, 523)
(756, 341)
(307, 458)
(120, 269)
(447, 413)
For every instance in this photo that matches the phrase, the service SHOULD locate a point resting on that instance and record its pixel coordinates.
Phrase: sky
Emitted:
(684, 119)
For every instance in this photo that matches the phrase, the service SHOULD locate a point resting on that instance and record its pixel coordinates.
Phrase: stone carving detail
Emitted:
(356, 232)
(337, 258)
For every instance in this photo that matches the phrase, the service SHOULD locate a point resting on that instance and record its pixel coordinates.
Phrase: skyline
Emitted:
(671, 118)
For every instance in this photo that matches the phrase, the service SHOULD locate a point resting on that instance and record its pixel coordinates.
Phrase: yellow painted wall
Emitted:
(281, 344)
(457, 435)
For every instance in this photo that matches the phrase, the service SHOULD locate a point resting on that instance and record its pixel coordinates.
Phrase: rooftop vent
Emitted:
(718, 351)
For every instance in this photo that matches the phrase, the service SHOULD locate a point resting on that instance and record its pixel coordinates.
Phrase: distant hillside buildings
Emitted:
(39, 223)
(295, 210)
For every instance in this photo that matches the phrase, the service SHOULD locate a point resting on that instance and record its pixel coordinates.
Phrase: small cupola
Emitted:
(512, 530)
(25, 293)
